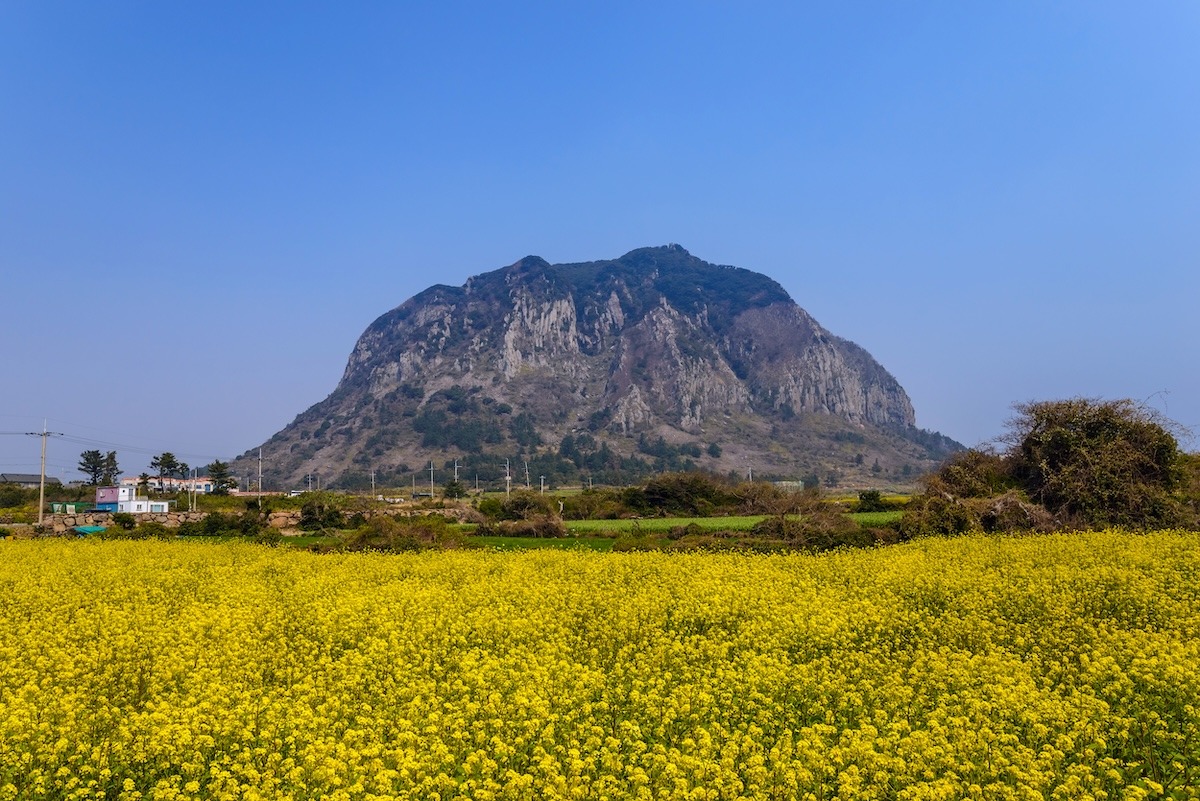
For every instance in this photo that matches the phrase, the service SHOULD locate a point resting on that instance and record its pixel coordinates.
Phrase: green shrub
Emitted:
(815, 530)
(1098, 462)
(221, 524)
(680, 495)
(384, 533)
(491, 507)
(152, 529)
(973, 473)
(939, 515)
(763, 498)
(539, 526)
(690, 530)
(124, 520)
(628, 542)
(320, 513)
(268, 535)
(594, 504)
(526, 505)
(218, 524)
(803, 520)
(12, 496)
(947, 516)
(872, 501)
(1075, 463)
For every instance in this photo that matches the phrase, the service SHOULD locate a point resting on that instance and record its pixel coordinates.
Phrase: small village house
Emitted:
(126, 499)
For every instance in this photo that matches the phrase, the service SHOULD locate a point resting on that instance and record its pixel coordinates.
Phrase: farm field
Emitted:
(1053, 666)
(876, 518)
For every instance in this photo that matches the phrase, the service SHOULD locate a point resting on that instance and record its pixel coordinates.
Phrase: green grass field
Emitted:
(876, 518)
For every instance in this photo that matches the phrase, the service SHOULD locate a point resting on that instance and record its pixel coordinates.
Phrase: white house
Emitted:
(125, 499)
(202, 485)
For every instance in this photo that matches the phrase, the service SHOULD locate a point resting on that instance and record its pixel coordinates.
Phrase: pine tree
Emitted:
(218, 473)
(111, 471)
(91, 464)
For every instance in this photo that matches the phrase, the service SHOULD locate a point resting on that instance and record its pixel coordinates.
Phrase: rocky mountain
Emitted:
(605, 370)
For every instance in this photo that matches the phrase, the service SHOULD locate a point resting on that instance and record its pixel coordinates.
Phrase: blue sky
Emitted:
(202, 205)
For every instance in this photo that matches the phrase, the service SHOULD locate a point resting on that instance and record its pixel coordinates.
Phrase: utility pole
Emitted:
(527, 474)
(44, 434)
(507, 480)
(430, 478)
(543, 478)
(260, 477)
(455, 471)
(42, 483)
(372, 483)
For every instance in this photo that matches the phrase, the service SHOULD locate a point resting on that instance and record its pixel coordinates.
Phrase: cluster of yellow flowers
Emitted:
(1042, 667)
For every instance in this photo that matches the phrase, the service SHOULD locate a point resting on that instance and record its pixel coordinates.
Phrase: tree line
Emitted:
(102, 469)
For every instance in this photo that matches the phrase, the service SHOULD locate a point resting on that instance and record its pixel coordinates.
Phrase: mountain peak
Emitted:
(671, 248)
(530, 263)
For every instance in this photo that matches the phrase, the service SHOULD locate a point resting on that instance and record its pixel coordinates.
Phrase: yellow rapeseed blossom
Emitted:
(979, 668)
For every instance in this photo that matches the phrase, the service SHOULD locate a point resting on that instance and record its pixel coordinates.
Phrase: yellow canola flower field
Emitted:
(1063, 667)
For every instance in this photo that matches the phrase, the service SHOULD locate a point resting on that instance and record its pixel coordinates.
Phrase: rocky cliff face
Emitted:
(656, 357)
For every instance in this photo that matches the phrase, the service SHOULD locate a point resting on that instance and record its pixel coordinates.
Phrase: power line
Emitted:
(90, 442)
(129, 448)
(80, 439)
(15, 465)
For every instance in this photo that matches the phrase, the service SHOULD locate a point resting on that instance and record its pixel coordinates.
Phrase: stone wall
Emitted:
(287, 520)
(59, 523)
